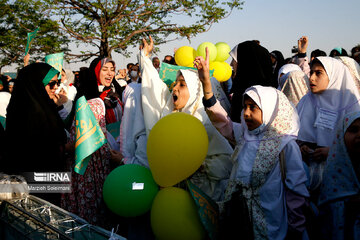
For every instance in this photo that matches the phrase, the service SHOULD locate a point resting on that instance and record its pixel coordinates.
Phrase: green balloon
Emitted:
(201, 50)
(129, 190)
(223, 50)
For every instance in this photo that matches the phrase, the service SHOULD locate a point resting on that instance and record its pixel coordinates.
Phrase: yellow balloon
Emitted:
(174, 216)
(228, 69)
(221, 71)
(185, 56)
(176, 148)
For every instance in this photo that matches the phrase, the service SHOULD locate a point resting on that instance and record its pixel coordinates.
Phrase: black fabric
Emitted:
(210, 102)
(253, 68)
(88, 82)
(235, 219)
(280, 61)
(301, 55)
(35, 134)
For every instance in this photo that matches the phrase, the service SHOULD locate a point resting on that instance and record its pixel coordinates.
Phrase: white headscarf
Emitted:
(69, 76)
(195, 95)
(287, 68)
(4, 102)
(353, 67)
(296, 86)
(233, 53)
(268, 100)
(340, 97)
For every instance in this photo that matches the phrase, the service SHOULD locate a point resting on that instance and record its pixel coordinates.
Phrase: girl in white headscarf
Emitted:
(333, 94)
(296, 86)
(267, 130)
(157, 102)
(283, 73)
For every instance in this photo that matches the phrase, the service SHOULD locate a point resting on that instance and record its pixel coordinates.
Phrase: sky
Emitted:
(277, 24)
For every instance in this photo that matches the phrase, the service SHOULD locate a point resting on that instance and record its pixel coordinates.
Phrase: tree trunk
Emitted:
(104, 48)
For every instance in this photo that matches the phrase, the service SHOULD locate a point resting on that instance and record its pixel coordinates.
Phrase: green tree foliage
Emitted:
(19, 17)
(115, 25)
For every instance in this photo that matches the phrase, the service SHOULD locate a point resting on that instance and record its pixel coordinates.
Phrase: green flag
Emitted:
(3, 121)
(207, 209)
(56, 61)
(30, 38)
(168, 72)
(114, 129)
(89, 136)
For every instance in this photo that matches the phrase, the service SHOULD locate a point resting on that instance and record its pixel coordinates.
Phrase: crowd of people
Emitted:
(284, 136)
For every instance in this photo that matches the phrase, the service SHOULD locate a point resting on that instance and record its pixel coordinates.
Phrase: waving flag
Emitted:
(30, 38)
(89, 136)
(56, 61)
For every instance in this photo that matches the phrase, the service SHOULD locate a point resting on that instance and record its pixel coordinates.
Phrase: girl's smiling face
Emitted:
(180, 93)
(252, 113)
(107, 74)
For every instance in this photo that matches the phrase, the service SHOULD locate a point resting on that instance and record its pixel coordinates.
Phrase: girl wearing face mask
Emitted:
(158, 101)
(268, 129)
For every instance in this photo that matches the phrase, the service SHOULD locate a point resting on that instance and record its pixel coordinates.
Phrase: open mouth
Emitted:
(175, 98)
(312, 85)
(248, 121)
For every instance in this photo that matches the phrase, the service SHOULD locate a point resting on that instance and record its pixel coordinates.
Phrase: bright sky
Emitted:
(277, 24)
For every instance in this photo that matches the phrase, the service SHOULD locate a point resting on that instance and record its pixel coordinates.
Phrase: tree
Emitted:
(17, 18)
(115, 25)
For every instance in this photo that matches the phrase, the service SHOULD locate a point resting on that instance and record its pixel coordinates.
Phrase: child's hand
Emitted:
(303, 44)
(203, 67)
(204, 74)
(306, 152)
(122, 74)
(26, 59)
(116, 157)
(147, 48)
(320, 154)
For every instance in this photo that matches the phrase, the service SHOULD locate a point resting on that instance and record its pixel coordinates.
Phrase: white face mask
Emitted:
(133, 74)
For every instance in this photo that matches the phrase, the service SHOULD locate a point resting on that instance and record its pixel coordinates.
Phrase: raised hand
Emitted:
(147, 48)
(203, 67)
(303, 44)
(204, 74)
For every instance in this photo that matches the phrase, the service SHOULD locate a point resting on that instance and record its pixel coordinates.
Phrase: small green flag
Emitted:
(30, 38)
(207, 209)
(89, 136)
(168, 72)
(114, 129)
(3, 121)
(56, 61)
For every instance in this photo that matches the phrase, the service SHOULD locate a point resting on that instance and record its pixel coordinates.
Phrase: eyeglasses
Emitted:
(52, 83)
